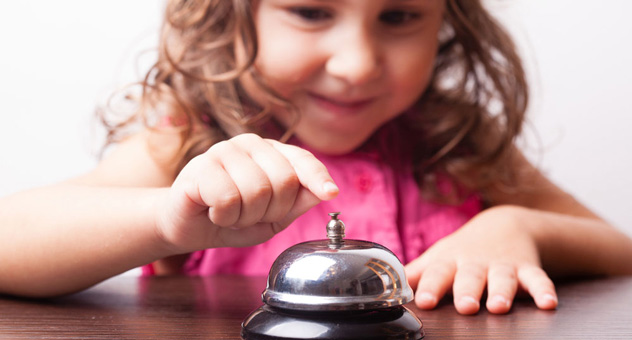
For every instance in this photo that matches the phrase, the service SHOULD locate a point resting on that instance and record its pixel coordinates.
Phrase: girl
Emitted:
(262, 116)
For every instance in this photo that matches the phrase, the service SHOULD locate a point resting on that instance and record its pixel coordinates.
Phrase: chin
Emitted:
(335, 150)
(332, 147)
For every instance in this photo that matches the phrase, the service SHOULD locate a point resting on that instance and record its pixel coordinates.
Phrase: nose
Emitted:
(355, 58)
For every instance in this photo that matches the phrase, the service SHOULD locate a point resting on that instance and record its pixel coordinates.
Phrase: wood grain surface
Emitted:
(214, 307)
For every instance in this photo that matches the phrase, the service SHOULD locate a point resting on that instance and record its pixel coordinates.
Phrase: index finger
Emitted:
(311, 173)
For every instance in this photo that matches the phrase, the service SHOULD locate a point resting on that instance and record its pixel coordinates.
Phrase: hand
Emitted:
(495, 249)
(241, 192)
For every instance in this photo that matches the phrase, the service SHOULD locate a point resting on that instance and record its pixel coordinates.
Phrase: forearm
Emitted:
(571, 245)
(65, 238)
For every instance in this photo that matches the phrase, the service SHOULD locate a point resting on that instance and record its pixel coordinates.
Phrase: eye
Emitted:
(399, 17)
(310, 13)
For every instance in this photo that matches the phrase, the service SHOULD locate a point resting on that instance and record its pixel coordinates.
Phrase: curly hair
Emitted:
(464, 124)
(475, 107)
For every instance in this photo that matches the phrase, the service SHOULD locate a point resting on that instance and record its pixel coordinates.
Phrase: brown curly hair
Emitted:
(464, 125)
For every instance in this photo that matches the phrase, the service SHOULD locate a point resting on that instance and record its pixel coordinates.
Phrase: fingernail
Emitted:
(469, 300)
(500, 300)
(427, 299)
(548, 297)
(330, 188)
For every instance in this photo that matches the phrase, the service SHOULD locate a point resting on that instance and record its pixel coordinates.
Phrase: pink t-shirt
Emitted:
(379, 201)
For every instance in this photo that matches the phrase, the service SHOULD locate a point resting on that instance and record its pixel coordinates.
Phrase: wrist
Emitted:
(515, 222)
(511, 216)
(160, 225)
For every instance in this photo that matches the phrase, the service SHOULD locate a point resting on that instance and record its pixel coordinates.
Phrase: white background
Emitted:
(60, 58)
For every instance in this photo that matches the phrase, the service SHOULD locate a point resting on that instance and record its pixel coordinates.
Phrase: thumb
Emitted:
(261, 232)
(305, 200)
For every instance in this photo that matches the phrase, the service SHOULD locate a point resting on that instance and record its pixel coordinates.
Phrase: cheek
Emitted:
(413, 72)
(286, 62)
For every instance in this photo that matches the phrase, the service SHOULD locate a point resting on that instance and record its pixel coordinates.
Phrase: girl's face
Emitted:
(349, 66)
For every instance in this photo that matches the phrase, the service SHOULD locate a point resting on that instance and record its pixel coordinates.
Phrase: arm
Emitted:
(514, 244)
(65, 237)
(129, 211)
(571, 239)
(68, 236)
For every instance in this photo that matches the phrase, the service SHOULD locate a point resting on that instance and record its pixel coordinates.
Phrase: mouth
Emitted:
(341, 105)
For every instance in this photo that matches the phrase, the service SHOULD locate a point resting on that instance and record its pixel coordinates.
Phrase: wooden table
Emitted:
(127, 307)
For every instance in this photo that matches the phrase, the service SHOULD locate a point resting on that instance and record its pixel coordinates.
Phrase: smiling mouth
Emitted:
(341, 106)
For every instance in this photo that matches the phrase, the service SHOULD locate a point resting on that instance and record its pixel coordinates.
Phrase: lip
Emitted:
(341, 105)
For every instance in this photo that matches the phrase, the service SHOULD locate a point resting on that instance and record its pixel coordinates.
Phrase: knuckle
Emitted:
(220, 146)
(438, 270)
(194, 165)
(246, 138)
(302, 155)
(289, 182)
(261, 191)
(473, 271)
(298, 153)
(503, 270)
(227, 200)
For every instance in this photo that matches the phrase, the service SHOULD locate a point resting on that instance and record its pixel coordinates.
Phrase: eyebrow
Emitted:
(400, 1)
(391, 0)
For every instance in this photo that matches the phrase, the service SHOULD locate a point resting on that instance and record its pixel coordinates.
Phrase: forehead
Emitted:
(427, 6)
(351, 2)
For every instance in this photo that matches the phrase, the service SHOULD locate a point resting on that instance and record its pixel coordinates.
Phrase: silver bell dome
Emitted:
(337, 274)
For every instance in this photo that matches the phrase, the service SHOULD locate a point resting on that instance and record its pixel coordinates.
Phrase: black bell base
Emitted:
(267, 323)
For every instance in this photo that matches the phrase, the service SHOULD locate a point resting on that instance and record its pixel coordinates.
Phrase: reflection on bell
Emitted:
(335, 289)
